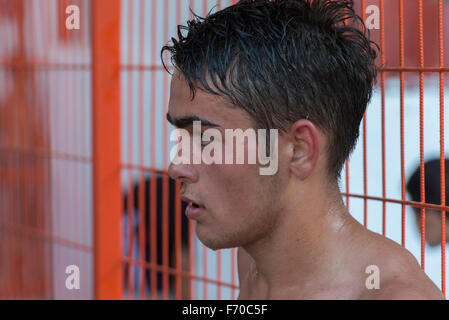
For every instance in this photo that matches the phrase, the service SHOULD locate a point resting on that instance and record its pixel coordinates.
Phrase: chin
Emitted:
(433, 243)
(215, 244)
(213, 241)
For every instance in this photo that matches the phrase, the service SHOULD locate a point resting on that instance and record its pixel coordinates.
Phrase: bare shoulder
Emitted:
(401, 277)
(409, 282)
(400, 290)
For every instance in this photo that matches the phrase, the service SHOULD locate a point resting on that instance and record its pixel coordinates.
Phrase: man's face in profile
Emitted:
(238, 205)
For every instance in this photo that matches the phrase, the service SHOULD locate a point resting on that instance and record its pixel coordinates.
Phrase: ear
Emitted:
(306, 148)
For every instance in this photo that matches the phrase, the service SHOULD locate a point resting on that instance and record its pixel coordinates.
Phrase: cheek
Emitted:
(230, 189)
(433, 221)
(241, 205)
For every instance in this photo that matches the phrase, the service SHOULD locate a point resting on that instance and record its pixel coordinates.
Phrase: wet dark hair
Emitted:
(432, 185)
(285, 60)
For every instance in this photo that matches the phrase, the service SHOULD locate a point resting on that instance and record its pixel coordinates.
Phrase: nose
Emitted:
(183, 172)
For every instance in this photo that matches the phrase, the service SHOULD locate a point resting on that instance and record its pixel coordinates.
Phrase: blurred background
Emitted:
(84, 149)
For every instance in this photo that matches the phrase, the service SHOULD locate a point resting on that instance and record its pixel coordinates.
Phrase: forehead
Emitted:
(205, 105)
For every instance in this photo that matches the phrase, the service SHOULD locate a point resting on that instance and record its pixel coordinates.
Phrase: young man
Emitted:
(291, 65)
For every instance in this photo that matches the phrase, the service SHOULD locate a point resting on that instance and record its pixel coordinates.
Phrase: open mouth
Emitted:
(195, 205)
(190, 202)
(193, 208)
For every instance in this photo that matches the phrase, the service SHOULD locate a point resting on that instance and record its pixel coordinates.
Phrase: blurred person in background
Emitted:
(185, 285)
(433, 196)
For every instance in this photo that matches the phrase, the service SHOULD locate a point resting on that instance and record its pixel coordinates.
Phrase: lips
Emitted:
(194, 209)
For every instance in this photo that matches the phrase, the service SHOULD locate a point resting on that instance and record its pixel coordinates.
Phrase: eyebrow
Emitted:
(188, 120)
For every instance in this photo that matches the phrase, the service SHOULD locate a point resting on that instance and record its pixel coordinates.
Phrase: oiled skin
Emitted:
(400, 274)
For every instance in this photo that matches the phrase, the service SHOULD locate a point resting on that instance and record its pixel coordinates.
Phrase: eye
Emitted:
(203, 143)
(198, 137)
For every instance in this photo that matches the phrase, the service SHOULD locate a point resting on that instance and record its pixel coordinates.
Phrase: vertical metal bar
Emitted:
(21, 80)
(365, 182)
(67, 194)
(401, 57)
(347, 182)
(205, 283)
(4, 205)
(153, 191)
(58, 162)
(9, 173)
(36, 165)
(22, 151)
(165, 229)
(106, 148)
(49, 198)
(79, 176)
(219, 275)
(14, 237)
(178, 230)
(205, 7)
(3, 180)
(191, 7)
(130, 142)
(83, 181)
(382, 54)
(191, 223)
(38, 218)
(165, 199)
(233, 272)
(178, 237)
(141, 178)
(30, 167)
(191, 258)
(75, 165)
(442, 160)
(3, 177)
(85, 152)
(78, 170)
(421, 128)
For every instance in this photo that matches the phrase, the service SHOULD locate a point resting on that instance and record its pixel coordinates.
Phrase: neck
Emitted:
(307, 243)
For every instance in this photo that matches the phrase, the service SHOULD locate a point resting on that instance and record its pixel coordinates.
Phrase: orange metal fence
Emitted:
(46, 161)
(84, 148)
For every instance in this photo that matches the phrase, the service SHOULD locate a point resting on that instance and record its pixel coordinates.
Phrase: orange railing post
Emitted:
(108, 275)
